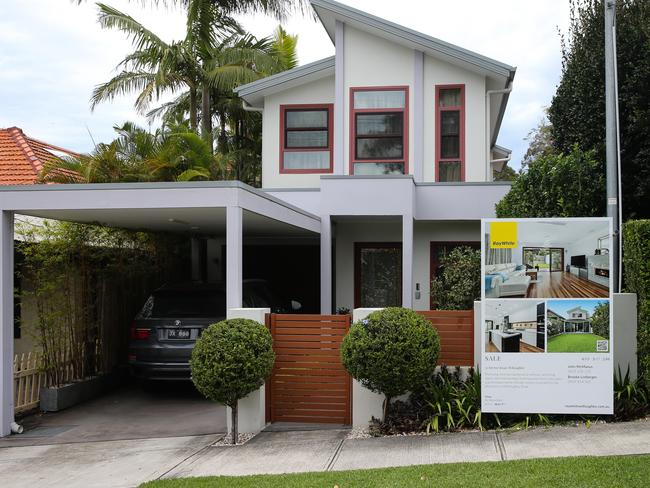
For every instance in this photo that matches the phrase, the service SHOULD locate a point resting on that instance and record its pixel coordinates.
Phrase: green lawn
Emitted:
(628, 471)
(573, 343)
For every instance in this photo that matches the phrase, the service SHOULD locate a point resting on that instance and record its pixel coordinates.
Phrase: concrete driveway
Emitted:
(169, 409)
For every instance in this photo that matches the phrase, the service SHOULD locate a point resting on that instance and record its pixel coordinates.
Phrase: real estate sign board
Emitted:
(546, 328)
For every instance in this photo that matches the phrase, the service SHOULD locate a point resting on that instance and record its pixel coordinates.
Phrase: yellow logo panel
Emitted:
(503, 235)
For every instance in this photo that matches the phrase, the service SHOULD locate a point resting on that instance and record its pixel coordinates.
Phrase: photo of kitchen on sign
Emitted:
(555, 258)
(515, 326)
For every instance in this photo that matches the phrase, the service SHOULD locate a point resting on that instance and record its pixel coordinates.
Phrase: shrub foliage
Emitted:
(459, 284)
(231, 359)
(636, 262)
(392, 351)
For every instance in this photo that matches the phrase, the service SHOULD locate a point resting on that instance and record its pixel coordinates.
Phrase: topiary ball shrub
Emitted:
(231, 359)
(392, 351)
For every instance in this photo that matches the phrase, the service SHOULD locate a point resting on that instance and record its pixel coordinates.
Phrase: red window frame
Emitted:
(405, 126)
(330, 137)
(461, 142)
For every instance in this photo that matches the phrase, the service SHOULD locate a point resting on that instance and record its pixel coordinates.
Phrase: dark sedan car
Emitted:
(166, 329)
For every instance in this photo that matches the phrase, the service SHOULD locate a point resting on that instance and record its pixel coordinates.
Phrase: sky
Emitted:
(563, 306)
(53, 52)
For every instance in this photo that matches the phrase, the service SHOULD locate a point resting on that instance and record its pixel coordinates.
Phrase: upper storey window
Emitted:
(450, 138)
(306, 138)
(379, 130)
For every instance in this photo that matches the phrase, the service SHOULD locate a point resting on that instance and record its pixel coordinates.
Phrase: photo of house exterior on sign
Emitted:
(578, 325)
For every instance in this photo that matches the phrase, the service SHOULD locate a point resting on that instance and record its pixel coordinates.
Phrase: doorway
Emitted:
(546, 259)
(377, 274)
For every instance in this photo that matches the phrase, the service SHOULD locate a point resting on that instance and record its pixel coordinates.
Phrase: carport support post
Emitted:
(252, 409)
(6, 322)
(234, 252)
(407, 261)
(325, 265)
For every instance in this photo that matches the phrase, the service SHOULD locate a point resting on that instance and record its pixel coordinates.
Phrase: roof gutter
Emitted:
(488, 139)
(249, 108)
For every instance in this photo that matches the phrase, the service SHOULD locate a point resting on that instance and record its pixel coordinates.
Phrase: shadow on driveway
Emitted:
(164, 409)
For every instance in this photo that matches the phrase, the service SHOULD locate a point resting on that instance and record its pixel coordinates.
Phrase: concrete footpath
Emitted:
(130, 462)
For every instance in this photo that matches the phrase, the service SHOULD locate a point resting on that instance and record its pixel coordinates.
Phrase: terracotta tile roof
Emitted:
(22, 158)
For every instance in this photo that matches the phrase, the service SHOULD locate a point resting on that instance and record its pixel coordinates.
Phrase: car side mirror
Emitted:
(295, 305)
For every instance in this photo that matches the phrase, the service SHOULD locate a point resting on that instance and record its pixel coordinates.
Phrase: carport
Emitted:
(230, 209)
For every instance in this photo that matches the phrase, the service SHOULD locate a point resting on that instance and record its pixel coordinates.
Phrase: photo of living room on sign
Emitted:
(514, 326)
(578, 326)
(558, 258)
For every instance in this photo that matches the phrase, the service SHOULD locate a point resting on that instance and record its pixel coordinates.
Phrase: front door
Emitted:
(377, 274)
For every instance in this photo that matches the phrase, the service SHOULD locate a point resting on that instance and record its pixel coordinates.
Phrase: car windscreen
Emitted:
(173, 303)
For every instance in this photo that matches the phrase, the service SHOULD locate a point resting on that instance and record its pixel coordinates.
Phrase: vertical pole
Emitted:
(325, 265)
(611, 132)
(234, 253)
(407, 261)
(6, 322)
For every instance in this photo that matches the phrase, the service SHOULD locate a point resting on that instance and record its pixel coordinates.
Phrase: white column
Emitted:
(234, 273)
(339, 99)
(6, 322)
(251, 410)
(325, 265)
(418, 115)
(407, 261)
(366, 404)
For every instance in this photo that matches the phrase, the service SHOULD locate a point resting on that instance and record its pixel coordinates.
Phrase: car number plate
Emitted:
(178, 333)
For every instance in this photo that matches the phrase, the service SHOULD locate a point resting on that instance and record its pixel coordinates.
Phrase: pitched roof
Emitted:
(254, 92)
(329, 11)
(22, 158)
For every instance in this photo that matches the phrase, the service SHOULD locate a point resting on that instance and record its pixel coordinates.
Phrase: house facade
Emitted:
(392, 143)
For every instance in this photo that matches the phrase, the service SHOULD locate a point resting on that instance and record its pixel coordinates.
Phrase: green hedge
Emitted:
(636, 263)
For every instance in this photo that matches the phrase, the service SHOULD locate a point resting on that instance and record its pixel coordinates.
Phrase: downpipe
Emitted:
(488, 94)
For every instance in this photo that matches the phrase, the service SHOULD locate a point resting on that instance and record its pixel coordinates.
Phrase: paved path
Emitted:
(130, 462)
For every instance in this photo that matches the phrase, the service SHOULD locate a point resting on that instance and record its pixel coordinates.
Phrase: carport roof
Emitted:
(168, 206)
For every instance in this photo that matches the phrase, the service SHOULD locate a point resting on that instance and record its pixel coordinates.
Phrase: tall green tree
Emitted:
(577, 112)
(557, 185)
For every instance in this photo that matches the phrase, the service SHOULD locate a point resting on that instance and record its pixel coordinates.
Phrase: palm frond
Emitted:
(111, 18)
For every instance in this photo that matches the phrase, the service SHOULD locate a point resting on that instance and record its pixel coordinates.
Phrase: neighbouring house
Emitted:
(22, 159)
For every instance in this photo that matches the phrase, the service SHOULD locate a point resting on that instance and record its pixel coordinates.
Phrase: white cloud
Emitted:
(52, 54)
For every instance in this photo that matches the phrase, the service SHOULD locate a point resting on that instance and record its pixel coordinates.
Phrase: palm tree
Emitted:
(215, 54)
(168, 154)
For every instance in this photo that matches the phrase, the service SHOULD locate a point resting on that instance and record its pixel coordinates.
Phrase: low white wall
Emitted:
(625, 330)
(252, 409)
(365, 403)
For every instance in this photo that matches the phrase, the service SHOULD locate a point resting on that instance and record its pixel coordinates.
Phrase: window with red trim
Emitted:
(306, 138)
(450, 136)
(379, 130)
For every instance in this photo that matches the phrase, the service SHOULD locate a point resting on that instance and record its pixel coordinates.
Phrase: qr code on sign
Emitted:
(602, 346)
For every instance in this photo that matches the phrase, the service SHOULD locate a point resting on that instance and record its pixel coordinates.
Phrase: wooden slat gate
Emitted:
(308, 383)
(456, 332)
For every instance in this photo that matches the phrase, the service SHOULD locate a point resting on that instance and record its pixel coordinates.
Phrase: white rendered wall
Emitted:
(374, 61)
(365, 403)
(320, 91)
(437, 72)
